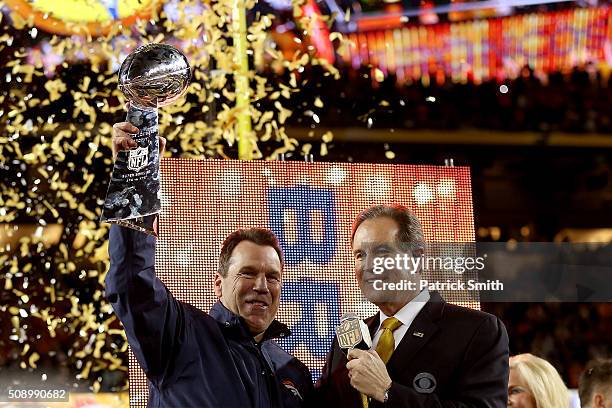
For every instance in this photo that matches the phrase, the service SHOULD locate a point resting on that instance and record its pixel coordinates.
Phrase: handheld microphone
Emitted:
(353, 333)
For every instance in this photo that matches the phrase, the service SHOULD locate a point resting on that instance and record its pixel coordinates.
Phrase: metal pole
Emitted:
(241, 80)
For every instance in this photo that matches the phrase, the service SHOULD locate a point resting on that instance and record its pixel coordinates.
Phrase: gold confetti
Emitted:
(327, 137)
(15, 321)
(33, 359)
(335, 36)
(60, 99)
(379, 76)
(323, 151)
(85, 372)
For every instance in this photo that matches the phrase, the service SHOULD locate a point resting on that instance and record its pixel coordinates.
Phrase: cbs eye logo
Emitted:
(82, 17)
(424, 383)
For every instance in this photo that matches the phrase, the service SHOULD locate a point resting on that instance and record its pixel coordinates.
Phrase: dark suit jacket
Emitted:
(465, 351)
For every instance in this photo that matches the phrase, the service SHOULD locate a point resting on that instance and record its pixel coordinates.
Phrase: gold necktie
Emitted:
(386, 342)
(385, 346)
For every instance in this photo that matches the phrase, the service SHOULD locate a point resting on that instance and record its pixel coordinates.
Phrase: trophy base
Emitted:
(146, 224)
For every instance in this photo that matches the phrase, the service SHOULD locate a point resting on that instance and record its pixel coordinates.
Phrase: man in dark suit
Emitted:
(425, 352)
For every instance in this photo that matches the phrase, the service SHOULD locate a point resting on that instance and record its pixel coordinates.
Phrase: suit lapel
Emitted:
(419, 333)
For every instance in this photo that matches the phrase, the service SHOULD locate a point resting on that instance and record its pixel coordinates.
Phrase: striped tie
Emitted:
(385, 346)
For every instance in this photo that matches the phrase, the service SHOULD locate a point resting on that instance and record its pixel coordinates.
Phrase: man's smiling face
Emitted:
(251, 287)
(377, 238)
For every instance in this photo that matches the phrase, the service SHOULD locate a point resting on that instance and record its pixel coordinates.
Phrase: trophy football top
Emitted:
(154, 75)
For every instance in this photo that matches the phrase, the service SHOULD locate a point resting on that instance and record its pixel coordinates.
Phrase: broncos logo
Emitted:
(291, 387)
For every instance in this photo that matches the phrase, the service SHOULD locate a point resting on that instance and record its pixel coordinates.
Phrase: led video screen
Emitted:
(485, 49)
(310, 207)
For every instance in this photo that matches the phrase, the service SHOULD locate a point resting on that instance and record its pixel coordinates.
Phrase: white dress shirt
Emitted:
(405, 315)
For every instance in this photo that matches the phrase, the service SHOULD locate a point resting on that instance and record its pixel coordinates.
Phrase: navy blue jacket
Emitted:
(194, 359)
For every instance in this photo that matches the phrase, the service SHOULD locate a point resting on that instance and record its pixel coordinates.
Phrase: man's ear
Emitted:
(598, 401)
(218, 281)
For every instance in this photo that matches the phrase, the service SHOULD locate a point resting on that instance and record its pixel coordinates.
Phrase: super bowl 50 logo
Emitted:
(94, 17)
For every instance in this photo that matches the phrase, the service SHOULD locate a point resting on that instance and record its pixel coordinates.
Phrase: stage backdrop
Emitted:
(310, 207)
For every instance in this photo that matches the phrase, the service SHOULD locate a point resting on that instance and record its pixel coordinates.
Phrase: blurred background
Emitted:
(518, 90)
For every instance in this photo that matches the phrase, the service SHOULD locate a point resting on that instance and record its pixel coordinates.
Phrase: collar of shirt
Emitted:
(405, 315)
(234, 324)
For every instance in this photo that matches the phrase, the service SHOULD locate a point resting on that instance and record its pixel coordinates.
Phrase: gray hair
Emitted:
(410, 235)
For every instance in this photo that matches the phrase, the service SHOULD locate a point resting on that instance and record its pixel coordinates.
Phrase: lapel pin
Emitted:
(418, 334)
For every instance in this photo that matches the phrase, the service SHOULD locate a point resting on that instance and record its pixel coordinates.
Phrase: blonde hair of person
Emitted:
(542, 379)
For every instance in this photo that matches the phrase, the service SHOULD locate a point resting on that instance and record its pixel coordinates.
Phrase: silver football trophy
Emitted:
(154, 75)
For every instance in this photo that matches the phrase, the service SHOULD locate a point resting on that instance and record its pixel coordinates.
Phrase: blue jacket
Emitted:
(194, 359)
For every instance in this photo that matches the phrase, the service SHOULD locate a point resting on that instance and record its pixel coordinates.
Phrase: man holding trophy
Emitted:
(224, 358)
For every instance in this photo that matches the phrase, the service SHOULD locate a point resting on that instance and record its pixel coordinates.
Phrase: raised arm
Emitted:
(153, 319)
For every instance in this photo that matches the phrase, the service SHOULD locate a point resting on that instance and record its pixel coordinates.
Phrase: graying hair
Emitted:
(410, 235)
